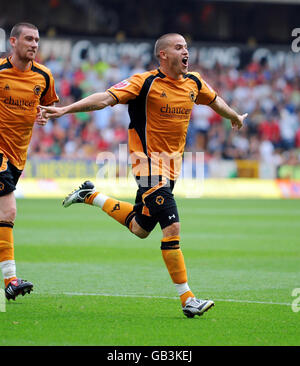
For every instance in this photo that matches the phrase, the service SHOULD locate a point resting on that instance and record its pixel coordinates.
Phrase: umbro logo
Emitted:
(163, 95)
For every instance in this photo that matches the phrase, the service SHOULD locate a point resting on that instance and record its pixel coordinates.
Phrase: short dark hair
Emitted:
(162, 43)
(17, 28)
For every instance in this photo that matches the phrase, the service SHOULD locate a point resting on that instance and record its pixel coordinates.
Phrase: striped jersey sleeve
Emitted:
(48, 95)
(206, 94)
(128, 89)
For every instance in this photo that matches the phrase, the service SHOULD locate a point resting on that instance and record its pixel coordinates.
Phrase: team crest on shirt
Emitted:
(37, 90)
(192, 95)
(121, 84)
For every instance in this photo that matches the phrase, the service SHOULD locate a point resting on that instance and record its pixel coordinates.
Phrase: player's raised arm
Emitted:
(93, 102)
(223, 109)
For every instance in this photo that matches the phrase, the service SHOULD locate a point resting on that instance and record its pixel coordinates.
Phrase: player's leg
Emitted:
(160, 204)
(122, 211)
(174, 260)
(13, 285)
(137, 230)
(163, 204)
(7, 219)
(8, 179)
(172, 253)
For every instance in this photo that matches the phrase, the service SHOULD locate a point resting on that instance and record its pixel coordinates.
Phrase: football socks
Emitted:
(119, 210)
(7, 262)
(174, 260)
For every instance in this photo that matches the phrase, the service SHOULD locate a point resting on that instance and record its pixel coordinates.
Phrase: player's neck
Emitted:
(22, 65)
(169, 72)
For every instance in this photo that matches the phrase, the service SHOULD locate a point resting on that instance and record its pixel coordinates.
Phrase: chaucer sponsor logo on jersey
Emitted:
(122, 84)
(168, 109)
(19, 103)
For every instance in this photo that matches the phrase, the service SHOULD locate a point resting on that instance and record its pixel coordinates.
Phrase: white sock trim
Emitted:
(182, 288)
(99, 200)
(8, 269)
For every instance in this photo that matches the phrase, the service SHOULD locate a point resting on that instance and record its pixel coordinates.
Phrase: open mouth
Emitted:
(185, 61)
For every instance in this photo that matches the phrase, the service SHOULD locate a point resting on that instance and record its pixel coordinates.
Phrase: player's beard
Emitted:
(178, 67)
(30, 55)
(26, 56)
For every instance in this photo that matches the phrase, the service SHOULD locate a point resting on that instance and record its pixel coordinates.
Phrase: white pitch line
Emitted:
(173, 298)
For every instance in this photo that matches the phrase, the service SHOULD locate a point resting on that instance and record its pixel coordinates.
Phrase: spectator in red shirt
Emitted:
(297, 139)
(269, 130)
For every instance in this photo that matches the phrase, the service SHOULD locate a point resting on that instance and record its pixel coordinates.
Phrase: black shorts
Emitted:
(9, 176)
(156, 204)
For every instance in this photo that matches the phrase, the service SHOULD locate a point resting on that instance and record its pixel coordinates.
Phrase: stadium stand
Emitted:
(271, 95)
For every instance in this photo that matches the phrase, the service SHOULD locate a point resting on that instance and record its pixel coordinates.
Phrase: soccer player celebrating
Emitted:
(24, 85)
(159, 105)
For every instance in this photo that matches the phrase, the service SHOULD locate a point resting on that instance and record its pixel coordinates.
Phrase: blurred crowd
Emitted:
(270, 97)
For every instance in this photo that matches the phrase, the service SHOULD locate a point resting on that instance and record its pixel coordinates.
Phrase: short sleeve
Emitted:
(206, 94)
(50, 95)
(127, 89)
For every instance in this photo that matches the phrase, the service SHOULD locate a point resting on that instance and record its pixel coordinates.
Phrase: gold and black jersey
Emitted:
(160, 110)
(20, 94)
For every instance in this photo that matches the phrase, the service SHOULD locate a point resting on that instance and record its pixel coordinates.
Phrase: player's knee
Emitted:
(11, 214)
(8, 214)
(138, 231)
(172, 230)
(142, 235)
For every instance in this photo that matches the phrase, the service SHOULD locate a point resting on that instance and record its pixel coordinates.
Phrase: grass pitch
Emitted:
(97, 284)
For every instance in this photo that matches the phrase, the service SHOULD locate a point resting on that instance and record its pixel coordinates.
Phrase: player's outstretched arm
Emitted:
(93, 102)
(223, 109)
(40, 119)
